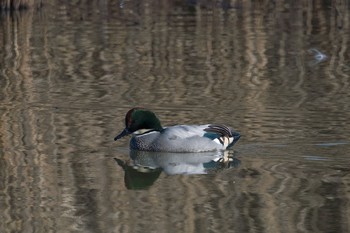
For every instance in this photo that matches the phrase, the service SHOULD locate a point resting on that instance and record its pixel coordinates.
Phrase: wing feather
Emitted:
(225, 135)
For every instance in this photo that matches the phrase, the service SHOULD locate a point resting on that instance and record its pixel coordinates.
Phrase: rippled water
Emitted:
(278, 72)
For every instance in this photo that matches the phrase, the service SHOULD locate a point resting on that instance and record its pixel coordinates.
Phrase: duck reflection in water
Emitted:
(144, 168)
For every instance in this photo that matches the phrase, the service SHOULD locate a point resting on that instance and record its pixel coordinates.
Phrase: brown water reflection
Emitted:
(71, 70)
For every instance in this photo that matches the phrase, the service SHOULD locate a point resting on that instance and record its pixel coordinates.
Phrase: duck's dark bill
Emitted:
(122, 134)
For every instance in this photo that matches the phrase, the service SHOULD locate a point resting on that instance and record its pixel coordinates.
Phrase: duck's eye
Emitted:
(132, 123)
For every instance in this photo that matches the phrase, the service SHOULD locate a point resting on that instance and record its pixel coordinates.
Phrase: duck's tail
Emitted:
(226, 136)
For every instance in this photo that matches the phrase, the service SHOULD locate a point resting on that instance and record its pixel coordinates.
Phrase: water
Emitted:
(278, 72)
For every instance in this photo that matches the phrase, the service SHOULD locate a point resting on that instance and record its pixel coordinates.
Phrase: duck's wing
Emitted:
(222, 134)
(184, 131)
(195, 138)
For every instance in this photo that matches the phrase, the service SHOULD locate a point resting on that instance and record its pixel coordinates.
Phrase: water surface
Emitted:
(278, 72)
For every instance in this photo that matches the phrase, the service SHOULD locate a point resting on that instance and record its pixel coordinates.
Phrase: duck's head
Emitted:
(139, 118)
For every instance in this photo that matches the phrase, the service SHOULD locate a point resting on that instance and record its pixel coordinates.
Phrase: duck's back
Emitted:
(179, 138)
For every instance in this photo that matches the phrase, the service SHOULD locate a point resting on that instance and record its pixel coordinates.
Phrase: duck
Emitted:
(149, 135)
